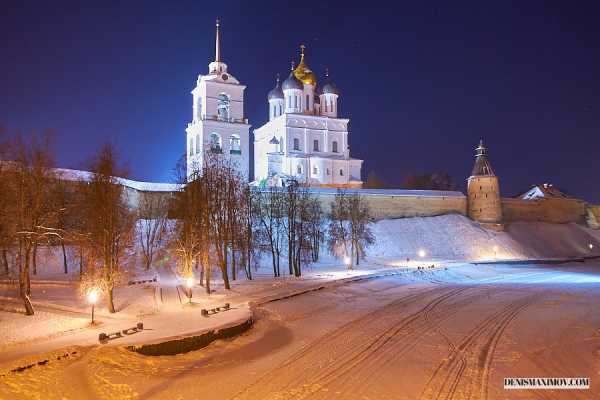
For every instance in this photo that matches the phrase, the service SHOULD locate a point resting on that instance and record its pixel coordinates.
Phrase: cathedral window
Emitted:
(223, 107)
(279, 109)
(198, 142)
(327, 171)
(334, 147)
(234, 145)
(341, 172)
(191, 146)
(315, 145)
(325, 105)
(299, 169)
(307, 102)
(215, 143)
(315, 170)
(295, 101)
(297, 144)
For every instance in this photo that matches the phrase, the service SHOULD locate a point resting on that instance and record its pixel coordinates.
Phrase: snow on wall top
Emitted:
(73, 175)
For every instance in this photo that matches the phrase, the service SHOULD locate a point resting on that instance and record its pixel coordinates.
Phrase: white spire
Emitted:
(218, 42)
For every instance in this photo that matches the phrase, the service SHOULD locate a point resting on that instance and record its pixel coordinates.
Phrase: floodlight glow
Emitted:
(591, 246)
(92, 296)
(422, 253)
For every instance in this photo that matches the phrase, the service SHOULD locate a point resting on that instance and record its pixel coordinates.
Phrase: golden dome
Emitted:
(302, 72)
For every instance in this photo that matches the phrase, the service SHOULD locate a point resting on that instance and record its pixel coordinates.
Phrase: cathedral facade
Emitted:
(304, 140)
(218, 123)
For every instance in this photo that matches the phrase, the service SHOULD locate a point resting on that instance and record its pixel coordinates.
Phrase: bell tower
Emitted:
(218, 123)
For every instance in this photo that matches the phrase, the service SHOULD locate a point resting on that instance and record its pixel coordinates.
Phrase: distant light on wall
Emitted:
(591, 246)
(422, 253)
(347, 261)
(189, 283)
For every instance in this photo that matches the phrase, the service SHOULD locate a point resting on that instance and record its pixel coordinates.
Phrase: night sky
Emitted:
(420, 83)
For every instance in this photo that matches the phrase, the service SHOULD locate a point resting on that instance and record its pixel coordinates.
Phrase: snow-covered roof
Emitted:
(74, 175)
(545, 190)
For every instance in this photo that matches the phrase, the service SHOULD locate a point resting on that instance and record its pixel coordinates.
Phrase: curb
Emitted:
(191, 343)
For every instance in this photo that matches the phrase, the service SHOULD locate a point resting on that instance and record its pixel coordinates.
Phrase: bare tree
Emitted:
(151, 225)
(189, 239)
(32, 206)
(270, 212)
(349, 226)
(359, 218)
(109, 222)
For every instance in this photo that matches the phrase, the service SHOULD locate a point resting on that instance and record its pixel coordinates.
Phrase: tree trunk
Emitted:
(34, 258)
(80, 260)
(5, 261)
(357, 255)
(201, 270)
(62, 244)
(26, 270)
(23, 291)
(110, 303)
(207, 286)
(24, 284)
(233, 265)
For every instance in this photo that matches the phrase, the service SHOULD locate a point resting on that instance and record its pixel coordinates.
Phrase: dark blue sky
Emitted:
(420, 83)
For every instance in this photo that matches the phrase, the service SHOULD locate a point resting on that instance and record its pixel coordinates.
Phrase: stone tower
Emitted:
(483, 191)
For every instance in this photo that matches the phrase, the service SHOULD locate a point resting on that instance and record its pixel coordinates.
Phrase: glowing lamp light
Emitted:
(422, 253)
(92, 297)
(190, 283)
(591, 246)
(347, 261)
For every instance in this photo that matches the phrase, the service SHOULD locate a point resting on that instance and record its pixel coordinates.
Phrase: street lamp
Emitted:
(422, 253)
(92, 297)
(189, 283)
(495, 248)
(591, 246)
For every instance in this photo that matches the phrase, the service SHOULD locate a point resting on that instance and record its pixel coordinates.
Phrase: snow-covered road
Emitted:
(447, 334)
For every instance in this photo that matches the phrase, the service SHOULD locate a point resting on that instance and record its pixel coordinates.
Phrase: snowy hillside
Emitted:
(455, 237)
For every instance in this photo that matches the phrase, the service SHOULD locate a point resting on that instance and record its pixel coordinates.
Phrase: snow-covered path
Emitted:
(429, 334)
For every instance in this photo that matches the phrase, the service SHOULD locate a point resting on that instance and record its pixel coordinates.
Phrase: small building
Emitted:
(483, 191)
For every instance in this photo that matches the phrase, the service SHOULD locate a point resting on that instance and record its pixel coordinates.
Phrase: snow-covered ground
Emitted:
(62, 313)
(452, 333)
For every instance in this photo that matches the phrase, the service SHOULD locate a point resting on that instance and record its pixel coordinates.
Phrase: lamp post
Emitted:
(189, 283)
(92, 298)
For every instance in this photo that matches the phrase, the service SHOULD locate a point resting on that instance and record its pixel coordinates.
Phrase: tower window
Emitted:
(315, 145)
(234, 145)
(296, 144)
(327, 171)
(307, 101)
(215, 143)
(191, 146)
(223, 107)
(299, 169)
(334, 147)
(315, 170)
(341, 172)
(198, 142)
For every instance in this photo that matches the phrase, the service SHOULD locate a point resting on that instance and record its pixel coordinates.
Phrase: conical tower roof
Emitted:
(482, 164)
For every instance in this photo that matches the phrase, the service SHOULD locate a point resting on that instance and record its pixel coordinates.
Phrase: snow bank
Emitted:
(455, 237)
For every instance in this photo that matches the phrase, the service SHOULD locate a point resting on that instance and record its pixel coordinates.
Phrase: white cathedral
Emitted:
(304, 140)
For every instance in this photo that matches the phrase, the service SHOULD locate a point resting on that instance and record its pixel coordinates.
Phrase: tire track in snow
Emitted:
(312, 373)
(480, 343)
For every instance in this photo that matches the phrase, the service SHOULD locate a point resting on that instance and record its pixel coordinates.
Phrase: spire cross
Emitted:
(218, 42)
(293, 65)
(302, 47)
